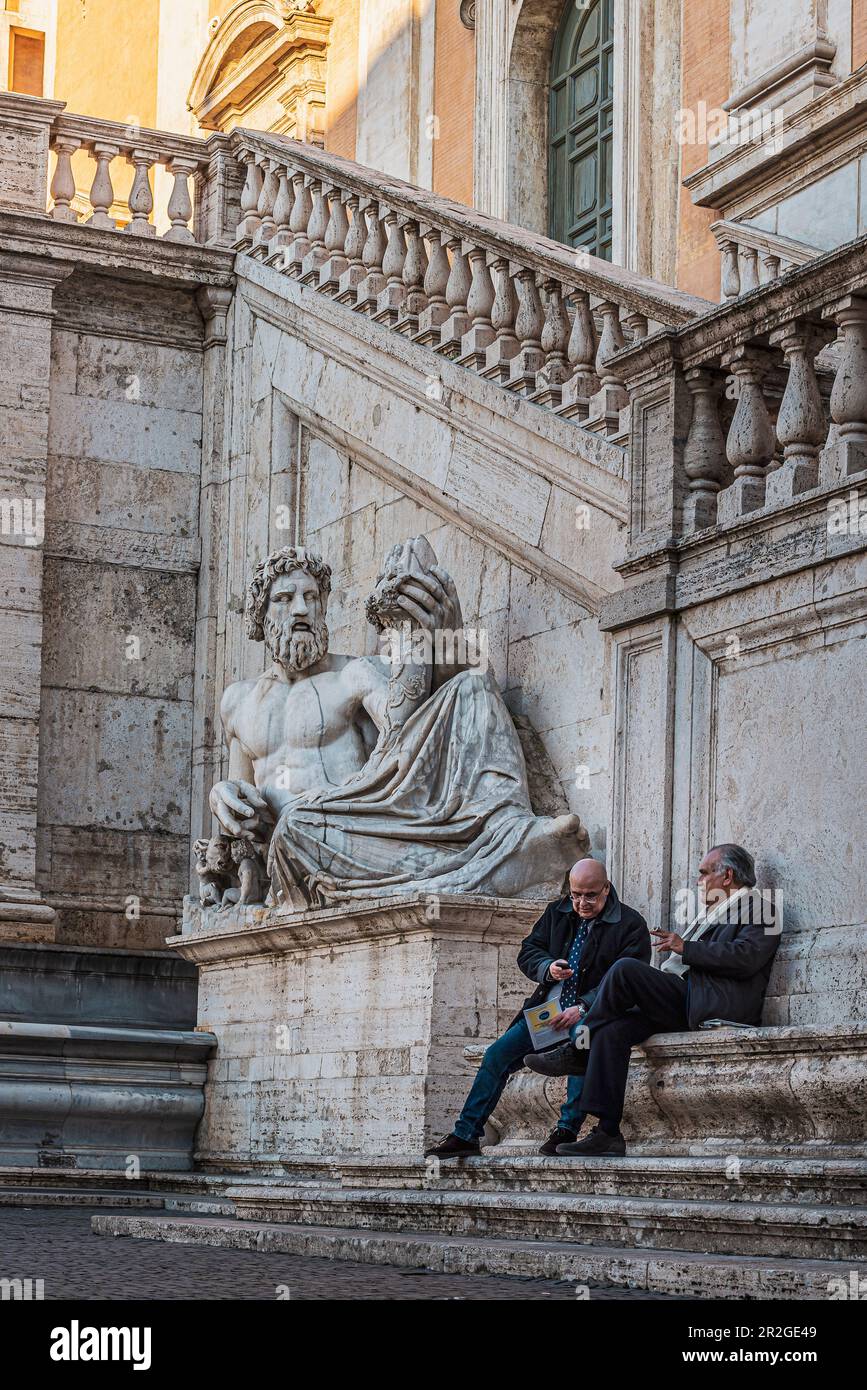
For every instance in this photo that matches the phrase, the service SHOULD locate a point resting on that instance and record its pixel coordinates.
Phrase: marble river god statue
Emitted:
(400, 773)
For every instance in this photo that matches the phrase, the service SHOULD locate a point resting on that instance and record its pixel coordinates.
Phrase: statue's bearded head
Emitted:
(286, 606)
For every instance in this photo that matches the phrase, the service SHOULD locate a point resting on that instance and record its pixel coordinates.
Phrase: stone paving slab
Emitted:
(59, 1247)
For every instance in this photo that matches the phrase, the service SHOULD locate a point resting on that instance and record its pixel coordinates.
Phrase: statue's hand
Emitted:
(431, 600)
(239, 807)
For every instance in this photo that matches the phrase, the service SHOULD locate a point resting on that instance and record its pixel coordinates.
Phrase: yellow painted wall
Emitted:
(107, 58)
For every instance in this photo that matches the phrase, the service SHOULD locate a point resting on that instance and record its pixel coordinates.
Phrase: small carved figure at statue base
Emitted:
(252, 878)
(214, 868)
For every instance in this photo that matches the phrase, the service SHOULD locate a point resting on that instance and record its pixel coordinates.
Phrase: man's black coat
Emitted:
(729, 966)
(618, 931)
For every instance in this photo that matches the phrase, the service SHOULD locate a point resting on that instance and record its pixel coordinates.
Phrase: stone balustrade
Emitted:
(749, 257)
(542, 321)
(764, 401)
(144, 150)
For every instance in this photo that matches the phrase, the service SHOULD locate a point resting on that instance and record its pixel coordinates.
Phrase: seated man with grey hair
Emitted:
(717, 969)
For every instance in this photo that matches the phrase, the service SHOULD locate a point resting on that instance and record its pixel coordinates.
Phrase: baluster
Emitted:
(316, 229)
(141, 199)
(801, 425)
(704, 453)
(249, 222)
(414, 271)
(750, 443)
(282, 213)
(749, 269)
(480, 305)
(347, 290)
(730, 278)
(611, 398)
(457, 293)
(302, 207)
(371, 256)
(498, 357)
(636, 325)
(63, 182)
(771, 263)
(389, 302)
(555, 342)
(336, 234)
(431, 319)
(180, 207)
(849, 393)
(265, 209)
(528, 329)
(581, 355)
(101, 190)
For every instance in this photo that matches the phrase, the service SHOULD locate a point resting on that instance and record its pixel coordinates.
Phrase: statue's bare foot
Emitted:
(539, 867)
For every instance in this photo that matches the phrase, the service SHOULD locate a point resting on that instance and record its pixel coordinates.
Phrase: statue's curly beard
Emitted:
(295, 650)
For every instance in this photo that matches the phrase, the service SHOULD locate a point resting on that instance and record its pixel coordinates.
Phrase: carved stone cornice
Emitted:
(287, 63)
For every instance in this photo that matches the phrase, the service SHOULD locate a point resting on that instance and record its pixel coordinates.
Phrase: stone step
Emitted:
(670, 1272)
(832, 1182)
(727, 1228)
(114, 1197)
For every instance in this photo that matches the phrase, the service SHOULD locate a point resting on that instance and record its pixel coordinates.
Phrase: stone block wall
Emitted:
(119, 600)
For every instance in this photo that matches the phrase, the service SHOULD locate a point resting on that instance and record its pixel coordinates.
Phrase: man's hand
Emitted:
(239, 807)
(568, 1017)
(559, 970)
(668, 941)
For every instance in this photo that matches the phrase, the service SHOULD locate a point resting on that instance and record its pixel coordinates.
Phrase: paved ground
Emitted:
(57, 1245)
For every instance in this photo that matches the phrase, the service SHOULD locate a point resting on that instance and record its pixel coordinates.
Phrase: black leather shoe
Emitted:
(557, 1136)
(565, 1060)
(453, 1147)
(596, 1145)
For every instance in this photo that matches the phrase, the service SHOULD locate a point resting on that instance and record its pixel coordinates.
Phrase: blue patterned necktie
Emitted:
(569, 992)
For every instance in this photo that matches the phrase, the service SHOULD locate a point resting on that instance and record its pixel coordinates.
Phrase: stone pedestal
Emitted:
(342, 1030)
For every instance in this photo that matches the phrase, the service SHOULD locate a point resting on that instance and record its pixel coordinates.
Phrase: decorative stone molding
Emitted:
(807, 144)
(265, 49)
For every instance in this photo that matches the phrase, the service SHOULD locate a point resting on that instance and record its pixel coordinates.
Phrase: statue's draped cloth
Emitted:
(438, 808)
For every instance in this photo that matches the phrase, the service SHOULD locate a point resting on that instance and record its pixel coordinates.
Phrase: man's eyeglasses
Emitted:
(579, 897)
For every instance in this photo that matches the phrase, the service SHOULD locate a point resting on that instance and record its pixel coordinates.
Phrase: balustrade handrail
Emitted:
(807, 291)
(787, 435)
(740, 248)
(161, 145)
(636, 293)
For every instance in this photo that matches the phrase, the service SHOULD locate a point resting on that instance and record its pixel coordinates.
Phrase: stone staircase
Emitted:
(764, 1228)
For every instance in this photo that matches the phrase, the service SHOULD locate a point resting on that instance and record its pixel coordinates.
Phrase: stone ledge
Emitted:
(210, 934)
(73, 1095)
(81, 1040)
(799, 1090)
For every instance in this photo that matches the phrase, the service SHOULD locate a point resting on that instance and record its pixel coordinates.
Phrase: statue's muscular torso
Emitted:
(300, 736)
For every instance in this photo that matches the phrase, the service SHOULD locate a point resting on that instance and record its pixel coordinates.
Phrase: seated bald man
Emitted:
(717, 969)
(574, 943)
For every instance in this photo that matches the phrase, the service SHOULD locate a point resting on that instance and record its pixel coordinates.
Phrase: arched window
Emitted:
(580, 127)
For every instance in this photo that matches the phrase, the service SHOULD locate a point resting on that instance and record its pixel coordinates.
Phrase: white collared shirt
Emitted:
(702, 922)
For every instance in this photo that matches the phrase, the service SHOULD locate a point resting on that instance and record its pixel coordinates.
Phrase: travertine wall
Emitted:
(124, 458)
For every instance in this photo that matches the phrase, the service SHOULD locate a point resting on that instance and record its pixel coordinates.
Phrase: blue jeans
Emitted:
(501, 1059)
